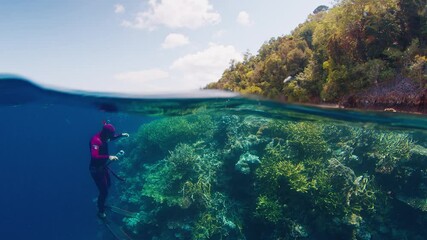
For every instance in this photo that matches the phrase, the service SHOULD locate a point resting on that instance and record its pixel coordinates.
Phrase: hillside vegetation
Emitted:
(338, 53)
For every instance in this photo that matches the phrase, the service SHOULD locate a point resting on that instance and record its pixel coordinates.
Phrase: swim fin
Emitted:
(115, 230)
(122, 212)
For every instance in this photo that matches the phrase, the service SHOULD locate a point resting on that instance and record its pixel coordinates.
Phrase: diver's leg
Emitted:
(103, 192)
(101, 179)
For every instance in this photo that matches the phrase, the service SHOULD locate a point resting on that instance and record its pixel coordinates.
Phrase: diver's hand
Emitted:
(125, 134)
(113, 158)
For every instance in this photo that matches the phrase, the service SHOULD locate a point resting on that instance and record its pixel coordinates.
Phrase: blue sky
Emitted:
(137, 46)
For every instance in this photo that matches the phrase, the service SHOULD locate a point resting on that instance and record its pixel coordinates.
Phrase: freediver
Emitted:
(99, 163)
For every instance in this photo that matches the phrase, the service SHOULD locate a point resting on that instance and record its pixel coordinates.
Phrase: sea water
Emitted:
(209, 165)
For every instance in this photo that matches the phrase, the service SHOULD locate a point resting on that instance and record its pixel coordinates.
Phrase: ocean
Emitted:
(209, 165)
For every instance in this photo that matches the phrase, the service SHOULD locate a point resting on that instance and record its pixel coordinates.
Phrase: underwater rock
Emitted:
(245, 163)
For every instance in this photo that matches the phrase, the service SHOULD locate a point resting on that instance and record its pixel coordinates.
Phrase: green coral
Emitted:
(184, 182)
(341, 193)
(389, 149)
(206, 227)
(217, 220)
(269, 209)
(199, 192)
(306, 139)
(299, 174)
(157, 138)
(297, 171)
(277, 172)
(185, 174)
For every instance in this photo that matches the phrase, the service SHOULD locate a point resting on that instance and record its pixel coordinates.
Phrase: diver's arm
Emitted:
(119, 136)
(101, 159)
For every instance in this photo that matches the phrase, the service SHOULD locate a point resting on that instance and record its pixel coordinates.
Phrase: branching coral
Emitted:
(218, 220)
(389, 149)
(277, 172)
(269, 209)
(342, 193)
(306, 140)
(295, 174)
(157, 138)
(185, 170)
(199, 191)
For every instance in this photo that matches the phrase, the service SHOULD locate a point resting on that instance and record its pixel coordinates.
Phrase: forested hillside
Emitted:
(356, 46)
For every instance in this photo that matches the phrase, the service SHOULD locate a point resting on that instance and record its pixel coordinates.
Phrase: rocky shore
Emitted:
(401, 95)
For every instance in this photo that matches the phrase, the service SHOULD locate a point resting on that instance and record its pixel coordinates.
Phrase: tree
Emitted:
(413, 20)
(321, 8)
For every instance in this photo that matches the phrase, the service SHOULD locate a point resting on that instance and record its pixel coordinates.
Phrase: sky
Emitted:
(138, 46)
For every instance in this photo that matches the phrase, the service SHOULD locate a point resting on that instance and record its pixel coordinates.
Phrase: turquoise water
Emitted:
(209, 165)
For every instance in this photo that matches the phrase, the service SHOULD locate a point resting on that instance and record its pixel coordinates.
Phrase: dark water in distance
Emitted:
(46, 189)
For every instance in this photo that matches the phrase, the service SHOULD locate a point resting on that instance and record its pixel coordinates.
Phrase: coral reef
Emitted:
(209, 176)
(246, 162)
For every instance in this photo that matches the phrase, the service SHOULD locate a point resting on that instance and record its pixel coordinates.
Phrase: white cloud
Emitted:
(143, 76)
(175, 14)
(187, 73)
(174, 40)
(118, 8)
(244, 19)
(145, 81)
(206, 66)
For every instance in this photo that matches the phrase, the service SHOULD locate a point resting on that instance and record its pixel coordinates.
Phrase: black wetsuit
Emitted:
(98, 167)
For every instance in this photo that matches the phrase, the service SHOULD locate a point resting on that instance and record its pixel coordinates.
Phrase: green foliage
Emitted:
(265, 73)
(296, 93)
(370, 74)
(418, 69)
(344, 50)
(338, 75)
